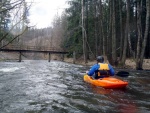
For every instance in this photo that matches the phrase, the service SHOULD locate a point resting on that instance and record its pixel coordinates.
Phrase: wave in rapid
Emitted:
(13, 69)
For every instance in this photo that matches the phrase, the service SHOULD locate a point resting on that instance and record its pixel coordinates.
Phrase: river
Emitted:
(39, 86)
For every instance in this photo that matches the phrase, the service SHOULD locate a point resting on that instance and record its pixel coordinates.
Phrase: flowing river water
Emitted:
(58, 87)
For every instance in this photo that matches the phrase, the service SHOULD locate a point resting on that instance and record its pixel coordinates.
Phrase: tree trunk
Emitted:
(128, 28)
(139, 28)
(125, 45)
(121, 31)
(83, 34)
(109, 39)
(87, 32)
(100, 39)
(95, 30)
(101, 26)
(114, 57)
(140, 63)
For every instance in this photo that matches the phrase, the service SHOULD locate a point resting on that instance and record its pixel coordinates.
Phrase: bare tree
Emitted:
(114, 57)
(95, 28)
(18, 9)
(83, 34)
(121, 28)
(139, 57)
(125, 39)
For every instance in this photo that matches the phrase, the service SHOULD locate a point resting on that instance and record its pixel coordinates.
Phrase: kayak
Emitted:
(107, 82)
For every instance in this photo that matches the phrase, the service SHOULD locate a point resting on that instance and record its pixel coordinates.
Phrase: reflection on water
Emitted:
(58, 87)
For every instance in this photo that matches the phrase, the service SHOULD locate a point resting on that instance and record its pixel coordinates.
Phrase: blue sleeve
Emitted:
(93, 69)
(112, 71)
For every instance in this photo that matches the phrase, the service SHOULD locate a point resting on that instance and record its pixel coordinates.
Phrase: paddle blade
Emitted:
(122, 74)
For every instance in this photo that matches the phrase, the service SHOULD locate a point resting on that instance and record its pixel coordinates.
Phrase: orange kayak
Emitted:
(107, 82)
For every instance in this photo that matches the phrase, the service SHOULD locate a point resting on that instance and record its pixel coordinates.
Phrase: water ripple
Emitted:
(58, 87)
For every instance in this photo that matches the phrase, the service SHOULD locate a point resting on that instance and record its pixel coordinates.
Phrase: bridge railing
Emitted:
(25, 47)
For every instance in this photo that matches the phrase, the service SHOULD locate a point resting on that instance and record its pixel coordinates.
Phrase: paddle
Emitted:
(122, 73)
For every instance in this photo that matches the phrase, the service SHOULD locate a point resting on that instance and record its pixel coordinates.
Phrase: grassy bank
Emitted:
(128, 64)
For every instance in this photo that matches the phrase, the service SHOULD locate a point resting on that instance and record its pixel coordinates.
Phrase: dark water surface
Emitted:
(58, 87)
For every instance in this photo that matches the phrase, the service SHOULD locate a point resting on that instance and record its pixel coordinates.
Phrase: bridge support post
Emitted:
(49, 57)
(20, 56)
(74, 57)
(62, 57)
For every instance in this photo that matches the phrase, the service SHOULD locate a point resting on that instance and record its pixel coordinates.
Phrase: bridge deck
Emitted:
(40, 49)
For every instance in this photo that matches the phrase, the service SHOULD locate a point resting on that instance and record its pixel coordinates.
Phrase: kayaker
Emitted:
(101, 69)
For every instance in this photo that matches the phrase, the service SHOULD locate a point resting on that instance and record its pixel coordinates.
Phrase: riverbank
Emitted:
(129, 64)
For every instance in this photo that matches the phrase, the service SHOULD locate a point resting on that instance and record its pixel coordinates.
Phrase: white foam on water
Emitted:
(9, 69)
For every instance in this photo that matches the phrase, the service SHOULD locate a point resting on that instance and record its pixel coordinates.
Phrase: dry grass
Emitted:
(129, 63)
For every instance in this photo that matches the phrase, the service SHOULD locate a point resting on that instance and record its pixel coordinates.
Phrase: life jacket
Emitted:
(103, 70)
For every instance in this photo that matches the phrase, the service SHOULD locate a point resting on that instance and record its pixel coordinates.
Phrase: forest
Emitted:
(116, 29)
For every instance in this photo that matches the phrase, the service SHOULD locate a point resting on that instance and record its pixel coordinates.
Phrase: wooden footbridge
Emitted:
(39, 49)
